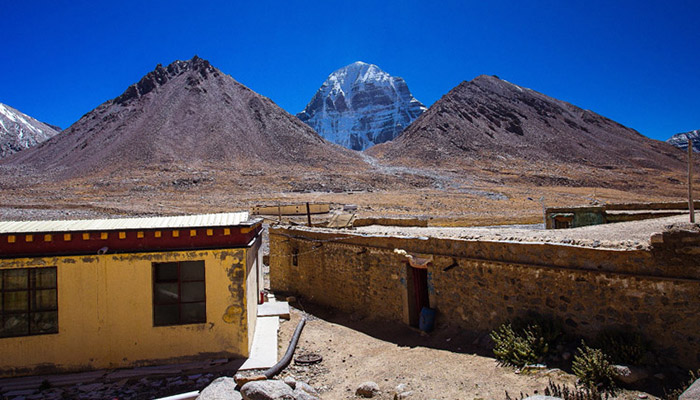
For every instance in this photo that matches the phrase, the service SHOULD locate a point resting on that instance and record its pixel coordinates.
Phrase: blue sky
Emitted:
(637, 62)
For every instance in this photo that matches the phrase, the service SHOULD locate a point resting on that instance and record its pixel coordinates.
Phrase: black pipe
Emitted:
(282, 364)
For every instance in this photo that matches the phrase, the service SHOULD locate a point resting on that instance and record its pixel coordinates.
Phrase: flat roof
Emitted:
(182, 221)
(618, 235)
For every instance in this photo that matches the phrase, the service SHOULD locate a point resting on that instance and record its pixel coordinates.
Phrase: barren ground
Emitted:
(446, 364)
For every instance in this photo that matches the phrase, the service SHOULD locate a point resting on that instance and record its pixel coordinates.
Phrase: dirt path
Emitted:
(443, 365)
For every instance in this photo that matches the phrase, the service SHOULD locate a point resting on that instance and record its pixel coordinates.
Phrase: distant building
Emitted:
(77, 295)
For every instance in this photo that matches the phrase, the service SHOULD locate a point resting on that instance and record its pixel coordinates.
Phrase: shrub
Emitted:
(593, 368)
(526, 343)
(577, 393)
(566, 393)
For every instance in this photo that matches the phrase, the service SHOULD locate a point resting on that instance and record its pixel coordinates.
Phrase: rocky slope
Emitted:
(360, 105)
(18, 131)
(680, 140)
(491, 121)
(186, 114)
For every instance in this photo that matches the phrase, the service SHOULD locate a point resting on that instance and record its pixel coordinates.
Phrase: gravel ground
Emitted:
(621, 235)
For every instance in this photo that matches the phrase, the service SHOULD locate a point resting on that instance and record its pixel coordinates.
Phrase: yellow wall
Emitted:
(105, 314)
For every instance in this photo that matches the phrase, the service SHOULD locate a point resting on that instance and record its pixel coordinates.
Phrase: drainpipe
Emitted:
(691, 206)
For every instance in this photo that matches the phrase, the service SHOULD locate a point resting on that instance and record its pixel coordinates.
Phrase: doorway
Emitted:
(417, 287)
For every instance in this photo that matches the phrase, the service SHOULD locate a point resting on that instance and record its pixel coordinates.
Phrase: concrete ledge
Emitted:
(263, 353)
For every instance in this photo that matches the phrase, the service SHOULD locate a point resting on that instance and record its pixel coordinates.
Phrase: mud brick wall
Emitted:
(478, 285)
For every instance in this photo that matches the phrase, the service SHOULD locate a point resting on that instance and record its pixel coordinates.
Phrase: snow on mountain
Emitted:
(19, 131)
(681, 141)
(360, 105)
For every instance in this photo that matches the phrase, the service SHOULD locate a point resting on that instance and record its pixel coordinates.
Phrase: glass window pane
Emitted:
(165, 293)
(166, 272)
(194, 313)
(44, 322)
(44, 300)
(192, 270)
(45, 278)
(15, 325)
(16, 279)
(16, 301)
(192, 291)
(166, 314)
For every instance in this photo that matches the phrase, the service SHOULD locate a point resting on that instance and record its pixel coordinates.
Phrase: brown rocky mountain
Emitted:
(187, 114)
(491, 120)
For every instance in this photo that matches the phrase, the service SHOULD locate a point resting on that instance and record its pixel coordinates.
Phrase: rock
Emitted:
(367, 389)
(629, 374)
(401, 387)
(223, 388)
(267, 390)
(692, 393)
(300, 394)
(402, 395)
(541, 397)
(291, 382)
(306, 387)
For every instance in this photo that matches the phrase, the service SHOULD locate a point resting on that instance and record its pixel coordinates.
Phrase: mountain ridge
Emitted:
(489, 121)
(187, 112)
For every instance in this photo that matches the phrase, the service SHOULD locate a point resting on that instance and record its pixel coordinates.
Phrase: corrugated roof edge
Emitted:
(181, 221)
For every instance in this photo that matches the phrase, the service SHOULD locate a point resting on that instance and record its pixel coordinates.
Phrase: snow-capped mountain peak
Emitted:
(360, 105)
(19, 131)
(680, 140)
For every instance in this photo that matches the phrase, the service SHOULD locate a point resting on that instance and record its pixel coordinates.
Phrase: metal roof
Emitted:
(183, 221)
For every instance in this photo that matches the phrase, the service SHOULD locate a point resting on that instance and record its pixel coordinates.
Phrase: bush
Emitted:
(593, 368)
(526, 343)
(566, 393)
(623, 347)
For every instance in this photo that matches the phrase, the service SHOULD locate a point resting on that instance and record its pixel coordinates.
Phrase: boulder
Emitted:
(267, 390)
(367, 389)
(692, 393)
(541, 397)
(221, 389)
(629, 374)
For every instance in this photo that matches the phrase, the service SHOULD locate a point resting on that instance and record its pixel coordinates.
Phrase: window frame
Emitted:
(179, 301)
(32, 308)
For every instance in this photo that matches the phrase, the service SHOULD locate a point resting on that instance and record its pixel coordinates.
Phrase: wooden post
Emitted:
(279, 213)
(691, 206)
(308, 212)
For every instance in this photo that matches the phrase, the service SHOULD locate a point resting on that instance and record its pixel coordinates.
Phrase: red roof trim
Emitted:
(125, 241)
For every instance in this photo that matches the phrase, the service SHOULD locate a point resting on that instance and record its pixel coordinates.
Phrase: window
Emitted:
(179, 293)
(28, 302)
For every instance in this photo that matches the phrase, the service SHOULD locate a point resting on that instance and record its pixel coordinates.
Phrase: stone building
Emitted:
(479, 284)
(78, 295)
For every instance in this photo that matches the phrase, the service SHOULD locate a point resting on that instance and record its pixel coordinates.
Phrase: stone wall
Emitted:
(478, 285)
